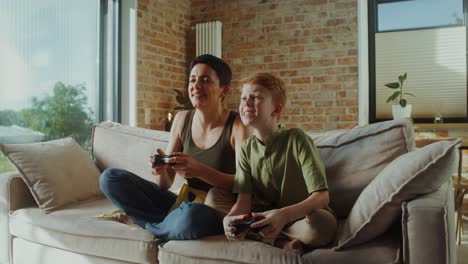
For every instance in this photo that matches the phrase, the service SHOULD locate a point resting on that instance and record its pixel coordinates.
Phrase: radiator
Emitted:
(208, 38)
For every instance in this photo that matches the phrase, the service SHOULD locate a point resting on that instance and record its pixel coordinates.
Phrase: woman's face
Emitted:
(203, 88)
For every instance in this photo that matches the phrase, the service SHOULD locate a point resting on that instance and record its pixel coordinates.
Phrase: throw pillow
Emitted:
(354, 157)
(57, 172)
(379, 205)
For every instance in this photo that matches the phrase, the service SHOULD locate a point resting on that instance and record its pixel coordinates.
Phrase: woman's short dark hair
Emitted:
(218, 65)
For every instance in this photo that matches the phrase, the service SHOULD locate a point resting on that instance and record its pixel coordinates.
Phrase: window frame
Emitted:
(372, 17)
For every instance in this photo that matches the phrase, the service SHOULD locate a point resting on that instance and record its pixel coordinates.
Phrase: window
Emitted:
(427, 40)
(59, 68)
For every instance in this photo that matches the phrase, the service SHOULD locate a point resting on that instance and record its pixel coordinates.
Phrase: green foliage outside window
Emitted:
(62, 114)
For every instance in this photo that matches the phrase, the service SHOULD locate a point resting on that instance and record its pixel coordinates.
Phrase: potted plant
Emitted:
(401, 108)
(183, 99)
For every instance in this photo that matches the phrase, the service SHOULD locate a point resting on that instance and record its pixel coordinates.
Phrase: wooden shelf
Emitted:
(441, 126)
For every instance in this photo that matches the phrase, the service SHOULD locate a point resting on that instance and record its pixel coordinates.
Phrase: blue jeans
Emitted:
(147, 205)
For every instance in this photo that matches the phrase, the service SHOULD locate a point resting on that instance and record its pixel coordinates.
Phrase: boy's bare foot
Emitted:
(294, 246)
(123, 218)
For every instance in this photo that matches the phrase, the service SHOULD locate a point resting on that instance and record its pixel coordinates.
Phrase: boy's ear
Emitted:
(278, 110)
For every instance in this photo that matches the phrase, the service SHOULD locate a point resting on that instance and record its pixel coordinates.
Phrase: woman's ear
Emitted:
(225, 90)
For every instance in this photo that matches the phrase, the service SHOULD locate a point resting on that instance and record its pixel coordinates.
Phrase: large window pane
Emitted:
(400, 15)
(436, 65)
(49, 70)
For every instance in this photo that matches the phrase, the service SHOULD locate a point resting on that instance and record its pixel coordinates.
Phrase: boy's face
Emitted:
(256, 107)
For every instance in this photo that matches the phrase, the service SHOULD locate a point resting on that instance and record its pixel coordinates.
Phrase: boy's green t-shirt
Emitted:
(283, 171)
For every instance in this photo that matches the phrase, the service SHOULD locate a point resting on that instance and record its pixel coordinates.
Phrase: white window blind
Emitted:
(435, 60)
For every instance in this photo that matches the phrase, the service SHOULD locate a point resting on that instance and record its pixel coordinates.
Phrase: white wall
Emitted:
(128, 62)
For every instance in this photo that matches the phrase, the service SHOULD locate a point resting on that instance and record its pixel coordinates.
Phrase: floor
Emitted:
(462, 250)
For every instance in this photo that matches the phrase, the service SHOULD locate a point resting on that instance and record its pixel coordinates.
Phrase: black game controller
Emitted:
(159, 160)
(245, 225)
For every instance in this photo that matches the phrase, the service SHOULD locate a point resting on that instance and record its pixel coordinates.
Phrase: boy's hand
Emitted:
(272, 224)
(231, 232)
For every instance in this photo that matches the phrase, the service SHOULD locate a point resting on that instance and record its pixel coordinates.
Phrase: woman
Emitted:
(204, 141)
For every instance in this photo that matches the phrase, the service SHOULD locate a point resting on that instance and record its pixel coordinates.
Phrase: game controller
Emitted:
(245, 225)
(159, 160)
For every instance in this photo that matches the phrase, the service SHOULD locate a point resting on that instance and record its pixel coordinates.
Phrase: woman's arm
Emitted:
(166, 173)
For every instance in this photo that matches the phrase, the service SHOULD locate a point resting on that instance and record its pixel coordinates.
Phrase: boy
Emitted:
(279, 174)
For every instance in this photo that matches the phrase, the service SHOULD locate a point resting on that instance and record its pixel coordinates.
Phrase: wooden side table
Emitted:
(460, 184)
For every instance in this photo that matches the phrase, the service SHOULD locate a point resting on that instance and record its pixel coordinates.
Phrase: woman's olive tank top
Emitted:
(221, 156)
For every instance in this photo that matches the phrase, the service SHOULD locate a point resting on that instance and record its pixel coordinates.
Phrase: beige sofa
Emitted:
(423, 231)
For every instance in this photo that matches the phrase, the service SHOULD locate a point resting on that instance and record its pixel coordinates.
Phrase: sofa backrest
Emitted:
(354, 157)
(129, 148)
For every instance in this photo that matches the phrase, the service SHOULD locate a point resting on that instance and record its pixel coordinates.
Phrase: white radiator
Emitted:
(208, 39)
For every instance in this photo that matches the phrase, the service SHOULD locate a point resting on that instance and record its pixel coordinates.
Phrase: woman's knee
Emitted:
(198, 220)
(109, 177)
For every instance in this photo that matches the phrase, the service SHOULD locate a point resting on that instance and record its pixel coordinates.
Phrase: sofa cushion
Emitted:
(217, 249)
(26, 252)
(412, 174)
(384, 249)
(129, 148)
(57, 172)
(354, 157)
(76, 229)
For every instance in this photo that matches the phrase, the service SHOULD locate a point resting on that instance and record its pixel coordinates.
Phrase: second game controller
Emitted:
(245, 225)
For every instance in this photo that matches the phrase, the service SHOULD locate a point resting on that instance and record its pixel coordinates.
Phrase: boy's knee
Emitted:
(323, 227)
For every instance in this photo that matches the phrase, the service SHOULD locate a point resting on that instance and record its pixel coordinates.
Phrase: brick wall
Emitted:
(161, 57)
(311, 45)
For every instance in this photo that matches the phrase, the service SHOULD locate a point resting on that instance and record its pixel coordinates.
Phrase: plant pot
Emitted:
(401, 112)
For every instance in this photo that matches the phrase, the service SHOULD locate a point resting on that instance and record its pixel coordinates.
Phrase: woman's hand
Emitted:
(158, 169)
(231, 232)
(272, 224)
(185, 165)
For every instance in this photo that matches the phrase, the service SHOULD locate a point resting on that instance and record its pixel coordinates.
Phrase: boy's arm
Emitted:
(239, 212)
(317, 200)
(274, 220)
(242, 206)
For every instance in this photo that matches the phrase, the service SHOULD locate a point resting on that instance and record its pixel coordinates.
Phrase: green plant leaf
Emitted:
(401, 79)
(393, 96)
(404, 76)
(393, 85)
(410, 94)
(403, 102)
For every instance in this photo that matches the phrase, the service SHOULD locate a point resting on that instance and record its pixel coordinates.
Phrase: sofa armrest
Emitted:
(428, 228)
(13, 195)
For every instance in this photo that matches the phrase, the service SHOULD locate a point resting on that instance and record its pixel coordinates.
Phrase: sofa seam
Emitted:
(162, 249)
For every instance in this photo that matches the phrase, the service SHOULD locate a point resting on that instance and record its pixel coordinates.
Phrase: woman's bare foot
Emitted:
(294, 246)
(123, 218)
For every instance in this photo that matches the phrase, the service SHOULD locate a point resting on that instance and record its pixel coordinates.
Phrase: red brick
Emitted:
(307, 50)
